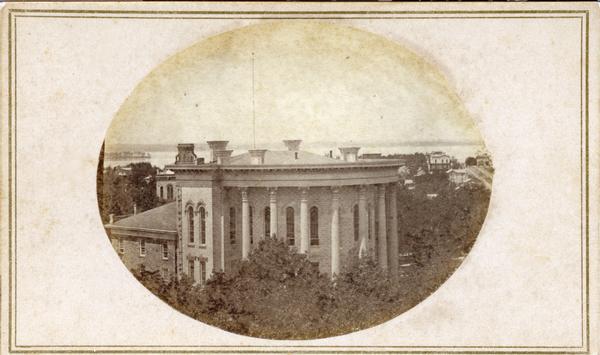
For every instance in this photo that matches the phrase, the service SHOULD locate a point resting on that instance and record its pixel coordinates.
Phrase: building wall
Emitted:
(196, 197)
(152, 261)
(319, 197)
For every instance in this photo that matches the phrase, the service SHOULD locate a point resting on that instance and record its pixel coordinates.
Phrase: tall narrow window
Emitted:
(165, 251)
(191, 271)
(203, 272)
(142, 247)
(355, 219)
(161, 193)
(369, 219)
(267, 222)
(169, 192)
(314, 226)
(289, 221)
(232, 225)
(202, 213)
(190, 220)
(251, 218)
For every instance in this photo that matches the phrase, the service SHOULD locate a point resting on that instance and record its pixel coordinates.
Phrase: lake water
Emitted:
(162, 158)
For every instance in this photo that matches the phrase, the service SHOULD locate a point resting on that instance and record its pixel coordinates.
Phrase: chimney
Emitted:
(185, 154)
(134, 209)
(331, 153)
(292, 145)
(349, 154)
(215, 146)
(257, 156)
(223, 156)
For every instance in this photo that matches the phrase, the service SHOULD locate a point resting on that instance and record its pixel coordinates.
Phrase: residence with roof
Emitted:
(438, 162)
(324, 207)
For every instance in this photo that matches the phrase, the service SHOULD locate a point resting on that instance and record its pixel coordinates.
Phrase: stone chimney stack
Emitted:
(215, 146)
(257, 156)
(185, 154)
(349, 154)
(223, 156)
(292, 145)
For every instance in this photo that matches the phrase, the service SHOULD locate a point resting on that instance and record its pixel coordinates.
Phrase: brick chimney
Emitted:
(223, 156)
(185, 154)
(215, 146)
(349, 154)
(257, 156)
(292, 145)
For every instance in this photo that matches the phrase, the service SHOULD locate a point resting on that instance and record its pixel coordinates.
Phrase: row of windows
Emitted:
(192, 271)
(290, 225)
(142, 248)
(169, 192)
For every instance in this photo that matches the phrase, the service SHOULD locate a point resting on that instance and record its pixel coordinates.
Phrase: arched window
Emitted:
(251, 220)
(232, 225)
(169, 192)
(289, 221)
(356, 222)
(314, 226)
(161, 193)
(190, 218)
(267, 222)
(202, 213)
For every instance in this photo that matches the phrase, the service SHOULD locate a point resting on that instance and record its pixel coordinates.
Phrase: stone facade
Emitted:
(324, 207)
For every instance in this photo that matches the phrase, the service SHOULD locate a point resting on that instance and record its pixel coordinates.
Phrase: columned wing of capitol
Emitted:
(217, 211)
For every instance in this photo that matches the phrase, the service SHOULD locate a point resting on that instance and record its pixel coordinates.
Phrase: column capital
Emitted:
(335, 190)
(244, 191)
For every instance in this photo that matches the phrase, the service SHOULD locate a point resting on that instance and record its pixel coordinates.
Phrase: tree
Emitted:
(470, 161)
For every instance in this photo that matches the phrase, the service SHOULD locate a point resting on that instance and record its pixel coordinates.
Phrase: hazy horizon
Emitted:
(313, 81)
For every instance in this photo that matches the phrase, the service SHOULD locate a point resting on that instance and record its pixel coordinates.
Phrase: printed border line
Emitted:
(12, 158)
(294, 18)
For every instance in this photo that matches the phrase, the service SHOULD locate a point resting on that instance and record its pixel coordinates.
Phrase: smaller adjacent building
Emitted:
(165, 185)
(484, 160)
(148, 238)
(438, 162)
(458, 176)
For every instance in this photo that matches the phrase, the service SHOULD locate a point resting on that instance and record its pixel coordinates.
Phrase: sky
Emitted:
(312, 81)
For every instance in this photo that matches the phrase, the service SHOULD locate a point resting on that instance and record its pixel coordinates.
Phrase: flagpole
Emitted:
(253, 108)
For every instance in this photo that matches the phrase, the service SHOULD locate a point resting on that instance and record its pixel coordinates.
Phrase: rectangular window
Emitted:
(121, 246)
(250, 217)
(165, 251)
(232, 223)
(142, 247)
(289, 221)
(203, 272)
(191, 271)
(202, 226)
(314, 226)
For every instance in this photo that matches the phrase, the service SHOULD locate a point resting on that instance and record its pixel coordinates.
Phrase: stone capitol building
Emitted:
(218, 211)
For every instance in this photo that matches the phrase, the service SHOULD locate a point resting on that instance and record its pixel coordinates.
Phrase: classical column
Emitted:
(382, 227)
(335, 232)
(245, 224)
(273, 210)
(304, 242)
(393, 237)
(363, 223)
(222, 227)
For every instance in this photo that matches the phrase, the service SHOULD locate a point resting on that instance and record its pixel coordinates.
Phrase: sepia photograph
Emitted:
(293, 180)
(299, 178)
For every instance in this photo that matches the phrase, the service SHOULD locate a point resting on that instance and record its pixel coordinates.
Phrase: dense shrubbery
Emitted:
(279, 294)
